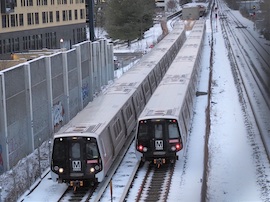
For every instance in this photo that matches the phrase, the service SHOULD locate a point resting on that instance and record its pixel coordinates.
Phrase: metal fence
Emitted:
(38, 97)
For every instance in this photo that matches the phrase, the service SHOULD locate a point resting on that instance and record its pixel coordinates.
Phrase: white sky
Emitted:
(233, 172)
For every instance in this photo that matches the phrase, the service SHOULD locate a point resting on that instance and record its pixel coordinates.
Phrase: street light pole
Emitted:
(91, 19)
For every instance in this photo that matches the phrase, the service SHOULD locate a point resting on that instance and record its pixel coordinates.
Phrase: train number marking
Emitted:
(159, 144)
(76, 165)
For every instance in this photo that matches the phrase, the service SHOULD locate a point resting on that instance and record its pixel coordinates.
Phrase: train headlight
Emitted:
(145, 149)
(173, 148)
(61, 170)
(92, 170)
(56, 168)
(97, 167)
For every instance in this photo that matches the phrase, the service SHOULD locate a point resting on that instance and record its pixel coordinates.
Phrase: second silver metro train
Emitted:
(164, 124)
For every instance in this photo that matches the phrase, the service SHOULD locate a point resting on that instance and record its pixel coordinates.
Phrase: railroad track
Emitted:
(257, 70)
(263, 54)
(81, 194)
(156, 183)
(254, 98)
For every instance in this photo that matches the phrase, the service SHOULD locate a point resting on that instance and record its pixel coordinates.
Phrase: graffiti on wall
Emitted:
(1, 161)
(85, 91)
(58, 113)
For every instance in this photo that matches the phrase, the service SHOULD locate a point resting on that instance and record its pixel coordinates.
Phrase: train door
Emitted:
(158, 137)
(76, 157)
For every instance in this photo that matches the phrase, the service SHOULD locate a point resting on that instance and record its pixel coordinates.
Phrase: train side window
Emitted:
(184, 122)
(146, 87)
(75, 150)
(152, 78)
(103, 148)
(128, 112)
(117, 128)
(141, 97)
(186, 111)
(136, 101)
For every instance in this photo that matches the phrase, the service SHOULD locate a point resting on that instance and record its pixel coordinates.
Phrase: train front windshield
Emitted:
(75, 156)
(158, 135)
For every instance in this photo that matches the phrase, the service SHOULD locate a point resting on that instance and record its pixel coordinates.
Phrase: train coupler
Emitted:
(159, 162)
(76, 184)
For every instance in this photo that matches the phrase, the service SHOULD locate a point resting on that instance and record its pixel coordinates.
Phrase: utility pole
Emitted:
(91, 19)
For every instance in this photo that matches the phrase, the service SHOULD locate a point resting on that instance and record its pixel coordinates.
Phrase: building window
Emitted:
(21, 19)
(82, 13)
(70, 14)
(29, 22)
(16, 20)
(8, 6)
(8, 45)
(36, 18)
(57, 16)
(52, 2)
(16, 44)
(24, 44)
(51, 16)
(76, 14)
(50, 40)
(12, 45)
(4, 21)
(45, 17)
(4, 46)
(1, 47)
(39, 41)
(64, 15)
(12, 19)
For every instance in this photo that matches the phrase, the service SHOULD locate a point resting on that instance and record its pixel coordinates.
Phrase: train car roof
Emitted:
(146, 64)
(100, 111)
(96, 115)
(168, 98)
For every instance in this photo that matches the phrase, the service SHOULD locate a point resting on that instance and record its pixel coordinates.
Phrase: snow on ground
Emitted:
(232, 171)
(232, 176)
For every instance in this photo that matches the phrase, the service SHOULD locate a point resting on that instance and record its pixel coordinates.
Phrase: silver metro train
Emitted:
(163, 126)
(85, 148)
